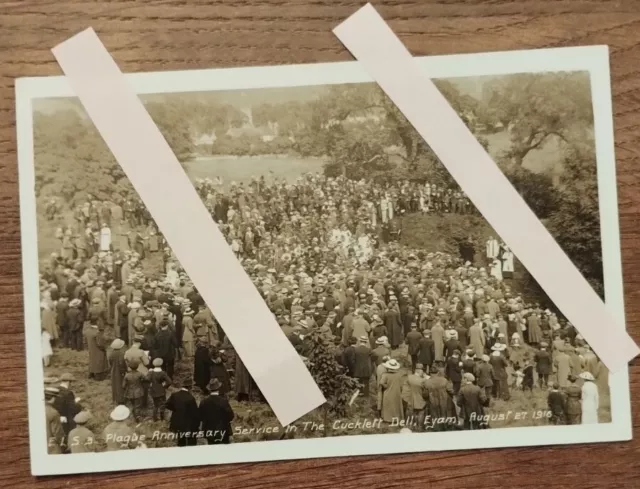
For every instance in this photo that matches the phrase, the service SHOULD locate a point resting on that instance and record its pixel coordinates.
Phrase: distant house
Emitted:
(265, 133)
(204, 140)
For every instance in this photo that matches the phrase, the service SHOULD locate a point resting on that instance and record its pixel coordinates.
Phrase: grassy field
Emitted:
(242, 169)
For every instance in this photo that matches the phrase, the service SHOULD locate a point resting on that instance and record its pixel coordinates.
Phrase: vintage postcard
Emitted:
(418, 323)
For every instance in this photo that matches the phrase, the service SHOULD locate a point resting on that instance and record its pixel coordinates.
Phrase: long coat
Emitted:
(394, 327)
(543, 362)
(426, 352)
(97, 351)
(414, 385)
(202, 364)
(118, 371)
(437, 335)
(484, 374)
(438, 393)
(391, 386)
(184, 412)
(533, 327)
(471, 400)
(562, 365)
(477, 339)
(49, 323)
(216, 415)
(362, 368)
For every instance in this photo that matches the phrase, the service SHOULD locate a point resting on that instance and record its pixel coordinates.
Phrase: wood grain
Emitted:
(147, 35)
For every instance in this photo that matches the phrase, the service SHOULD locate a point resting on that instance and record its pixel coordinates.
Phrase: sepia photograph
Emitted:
(410, 312)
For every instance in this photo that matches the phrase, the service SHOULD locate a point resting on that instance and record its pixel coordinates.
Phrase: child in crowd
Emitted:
(158, 383)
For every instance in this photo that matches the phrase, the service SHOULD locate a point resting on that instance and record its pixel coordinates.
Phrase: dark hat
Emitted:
(215, 385)
(187, 383)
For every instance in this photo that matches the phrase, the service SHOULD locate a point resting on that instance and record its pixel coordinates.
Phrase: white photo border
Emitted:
(593, 59)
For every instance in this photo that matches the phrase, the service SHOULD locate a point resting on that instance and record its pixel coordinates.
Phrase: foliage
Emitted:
(536, 189)
(576, 224)
(71, 159)
(336, 386)
(535, 107)
(174, 123)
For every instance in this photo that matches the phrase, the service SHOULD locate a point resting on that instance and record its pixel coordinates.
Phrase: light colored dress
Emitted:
(590, 403)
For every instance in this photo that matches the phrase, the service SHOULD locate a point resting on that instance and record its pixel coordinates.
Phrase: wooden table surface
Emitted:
(148, 35)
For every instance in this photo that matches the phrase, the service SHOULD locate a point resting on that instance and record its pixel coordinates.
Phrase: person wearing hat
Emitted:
(394, 325)
(439, 395)
(97, 312)
(120, 319)
(66, 403)
(469, 362)
(81, 439)
(188, 333)
(590, 399)
(544, 365)
(556, 400)
(158, 382)
(96, 344)
(362, 364)
(413, 344)
(118, 434)
(471, 401)
(453, 370)
(426, 349)
(55, 432)
(477, 338)
(118, 370)
(165, 346)
(202, 364)
(413, 389)
(216, 415)
(573, 406)
(437, 335)
(380, 351)
(451, 344)
(562, 368)
(74, 321)
(485, 375)
(133, 388)
(501, 377)
(185, 418)
(533, 329)
(390, 389)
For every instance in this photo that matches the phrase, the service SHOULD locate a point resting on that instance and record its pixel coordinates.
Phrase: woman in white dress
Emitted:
(590, 399)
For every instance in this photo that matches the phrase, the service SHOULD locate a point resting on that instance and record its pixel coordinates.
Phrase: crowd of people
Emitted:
(427, 334)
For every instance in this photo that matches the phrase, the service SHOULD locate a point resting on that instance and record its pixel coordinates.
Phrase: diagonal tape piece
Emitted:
(166, 191)
(376, 47)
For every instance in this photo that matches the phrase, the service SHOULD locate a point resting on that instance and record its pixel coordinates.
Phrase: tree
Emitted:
(336, 386)
(536, 189)
(535, 107)
(173, 119)
(576, 223)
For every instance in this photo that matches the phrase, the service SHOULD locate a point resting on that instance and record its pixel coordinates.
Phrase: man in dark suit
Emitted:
(216, 415)
(363, 369)
(349, 357)
(164, 346)
(453, 370)
(413, 344)
(185, 418)
(426, 350)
